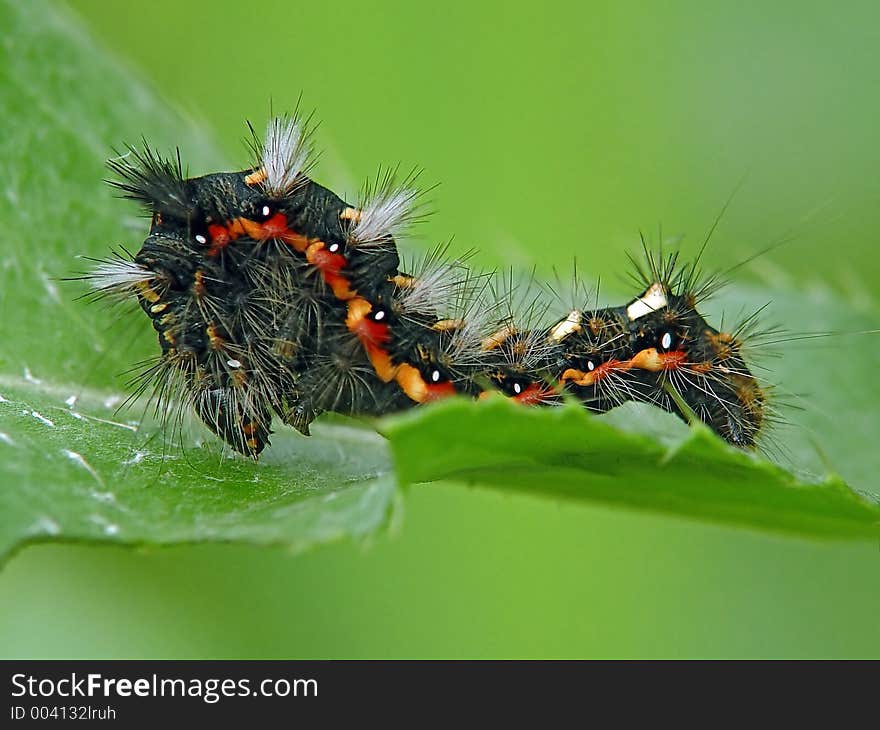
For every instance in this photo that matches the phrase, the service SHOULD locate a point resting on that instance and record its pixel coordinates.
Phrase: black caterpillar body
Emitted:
(272, 295)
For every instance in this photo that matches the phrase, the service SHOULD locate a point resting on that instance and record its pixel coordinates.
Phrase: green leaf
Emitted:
(74, 471)
(641, 458)
(71, 468)
(567, 453)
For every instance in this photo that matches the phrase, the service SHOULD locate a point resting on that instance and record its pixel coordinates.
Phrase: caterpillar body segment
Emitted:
(270, 294)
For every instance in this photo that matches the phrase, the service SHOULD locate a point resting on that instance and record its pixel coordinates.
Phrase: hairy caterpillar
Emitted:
(272, 295)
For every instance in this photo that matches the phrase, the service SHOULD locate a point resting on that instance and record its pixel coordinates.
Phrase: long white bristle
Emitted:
(387, 209)
(285, 154)
(435, 287)
(119, 275)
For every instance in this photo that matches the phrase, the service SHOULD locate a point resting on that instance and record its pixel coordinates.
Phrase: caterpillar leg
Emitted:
(241, 424)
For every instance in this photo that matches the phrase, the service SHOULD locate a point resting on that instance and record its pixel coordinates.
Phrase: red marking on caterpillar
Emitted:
(534, 394)
(373, 336)
(307, 310)
(653, 361)
(331, 266)
(275, 228)
(220, 238)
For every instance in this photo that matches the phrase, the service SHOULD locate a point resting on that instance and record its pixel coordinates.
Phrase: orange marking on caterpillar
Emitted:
(214, 338)
(402, 281)
(591, 377)
(147, 292)
(372, 335)
(598, 325)
(447, 325)
(330, 265)
(199, 283)
(648, 359)
(724, 344)
(436, 391)
(653, 361)
(534, 394)
(750, 395)
(414, 385)
(367, 330)
(381, 361)
(496, 339)
(256, 177)
(275, 227)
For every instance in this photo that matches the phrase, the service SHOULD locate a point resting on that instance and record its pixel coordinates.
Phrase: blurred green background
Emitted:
(555, 131)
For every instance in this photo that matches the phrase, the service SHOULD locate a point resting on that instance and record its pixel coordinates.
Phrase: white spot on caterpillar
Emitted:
(568, 326)
(42, 419)
(266, 210)
(70, 402)
(201, 239)
(653, 299)
(435, 376)
(666, 341)
(591, 366)
(80, 461)
(517, 388)
(334, 247)
(234, 363)
(379, 316)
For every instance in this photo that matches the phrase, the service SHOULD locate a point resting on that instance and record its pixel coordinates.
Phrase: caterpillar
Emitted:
(273, 297)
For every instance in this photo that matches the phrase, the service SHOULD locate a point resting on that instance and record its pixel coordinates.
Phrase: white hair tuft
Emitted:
(119, 276)
(285, 155)
(386, 208)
